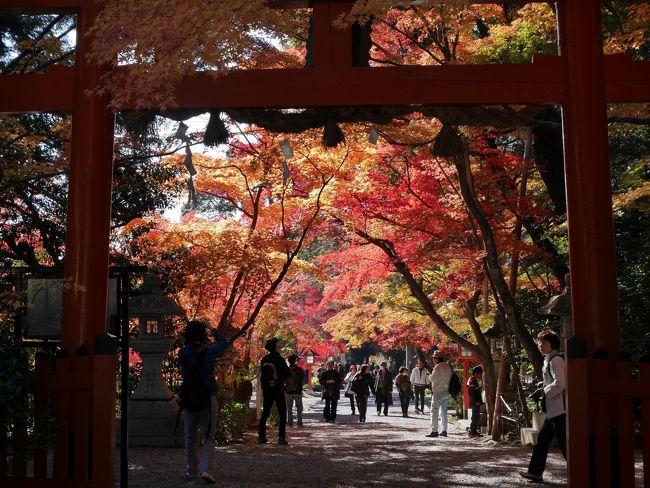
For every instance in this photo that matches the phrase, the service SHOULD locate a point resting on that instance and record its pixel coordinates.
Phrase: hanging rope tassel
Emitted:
(447, 143)
(216, 132)
(332, 134)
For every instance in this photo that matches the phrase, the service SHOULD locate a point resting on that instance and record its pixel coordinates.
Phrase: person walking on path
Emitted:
(475, 400)
(403, 384)
(196, 360)
(331, 382)
(420, 380)
(348, 382)
(363, 384)
(383, 388)
(274, 372)
(293, 388)
(439, 378)
(553, 392)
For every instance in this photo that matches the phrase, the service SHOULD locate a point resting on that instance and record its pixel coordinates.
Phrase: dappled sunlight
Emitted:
(386, 451)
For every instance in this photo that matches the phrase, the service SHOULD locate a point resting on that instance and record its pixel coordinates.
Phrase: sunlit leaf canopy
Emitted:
(308, 228)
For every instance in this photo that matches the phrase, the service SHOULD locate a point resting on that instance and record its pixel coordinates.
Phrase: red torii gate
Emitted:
(581, 79)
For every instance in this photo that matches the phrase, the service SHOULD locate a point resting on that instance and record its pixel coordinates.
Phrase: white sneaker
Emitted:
(208, 478)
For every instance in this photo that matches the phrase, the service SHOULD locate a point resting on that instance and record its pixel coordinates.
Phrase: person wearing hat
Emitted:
(439, 379)
(273, 373)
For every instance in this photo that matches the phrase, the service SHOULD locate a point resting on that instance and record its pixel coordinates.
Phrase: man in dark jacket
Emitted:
(331, 381)
(475, 400)
(274, 372)
(383, 388)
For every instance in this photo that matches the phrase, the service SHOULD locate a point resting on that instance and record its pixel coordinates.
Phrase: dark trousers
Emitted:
(330, 409)
(419, 397)
(351, 397)
(362, 404)
(382, 399)
(476, 417)
(404, 401)
(555, 427)
(271, 397)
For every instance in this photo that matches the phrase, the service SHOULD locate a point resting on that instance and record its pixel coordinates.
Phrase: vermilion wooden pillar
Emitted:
(89, 200)
(588, 179)
(589, 208)
(332, 46)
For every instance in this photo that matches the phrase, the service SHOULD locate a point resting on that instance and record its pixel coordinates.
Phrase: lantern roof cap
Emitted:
(152, 301)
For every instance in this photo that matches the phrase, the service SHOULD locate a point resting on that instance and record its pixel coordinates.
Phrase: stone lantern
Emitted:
(560, 305)
(152, 408)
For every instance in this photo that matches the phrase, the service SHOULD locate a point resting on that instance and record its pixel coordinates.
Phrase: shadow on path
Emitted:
(383, 452)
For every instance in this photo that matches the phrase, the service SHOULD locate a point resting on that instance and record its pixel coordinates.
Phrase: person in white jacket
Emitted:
(553, 392)
(439, 379)
(419, 380)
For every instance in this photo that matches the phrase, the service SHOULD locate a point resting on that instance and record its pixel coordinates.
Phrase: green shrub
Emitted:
(233, 420)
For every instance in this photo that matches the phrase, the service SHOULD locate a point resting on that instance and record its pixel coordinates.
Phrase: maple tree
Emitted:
(357, 244)
(228, 266)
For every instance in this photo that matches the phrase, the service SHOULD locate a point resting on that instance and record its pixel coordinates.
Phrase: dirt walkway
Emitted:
(384, 452)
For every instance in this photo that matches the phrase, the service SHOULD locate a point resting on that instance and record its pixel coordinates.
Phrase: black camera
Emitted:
(537, 394)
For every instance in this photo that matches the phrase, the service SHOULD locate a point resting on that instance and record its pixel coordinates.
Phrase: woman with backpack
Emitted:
(198, 398)
(348, 381)
(361, 385)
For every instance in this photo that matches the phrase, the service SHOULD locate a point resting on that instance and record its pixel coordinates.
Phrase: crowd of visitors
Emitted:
(282, 385)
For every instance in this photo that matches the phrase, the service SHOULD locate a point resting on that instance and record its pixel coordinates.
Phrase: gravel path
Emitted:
(384, 452)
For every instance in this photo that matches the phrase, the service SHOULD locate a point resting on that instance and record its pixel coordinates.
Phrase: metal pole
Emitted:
(123, 292)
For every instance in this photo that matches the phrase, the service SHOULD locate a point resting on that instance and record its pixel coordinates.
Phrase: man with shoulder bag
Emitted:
(553, 392)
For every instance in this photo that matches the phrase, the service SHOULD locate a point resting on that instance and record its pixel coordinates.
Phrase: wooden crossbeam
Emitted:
(540, 82)
(40, 6)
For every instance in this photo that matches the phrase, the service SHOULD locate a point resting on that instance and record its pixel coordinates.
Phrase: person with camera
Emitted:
(196, 360)
(553, 394)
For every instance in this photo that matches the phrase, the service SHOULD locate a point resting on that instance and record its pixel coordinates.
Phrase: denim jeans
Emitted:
(476, 417)
(204, 422)
(291, 398)
(439, 403)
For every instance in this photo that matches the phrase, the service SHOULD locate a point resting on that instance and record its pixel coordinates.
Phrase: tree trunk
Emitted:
(462, 163)
(501, 381)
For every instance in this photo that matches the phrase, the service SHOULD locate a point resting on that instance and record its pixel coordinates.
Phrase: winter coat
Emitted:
(331, 391)
(189, 356)
(385, 392)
